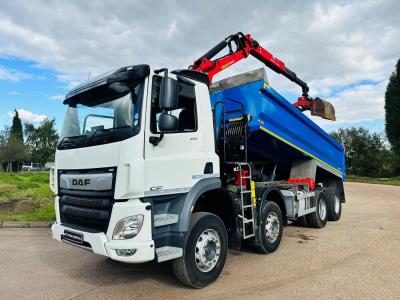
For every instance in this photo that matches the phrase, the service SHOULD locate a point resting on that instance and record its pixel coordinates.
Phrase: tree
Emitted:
(12, 151)
(392, 108)
(41, 141)
(15, 153)
(16, 128)
(366, 153)
(4, 134)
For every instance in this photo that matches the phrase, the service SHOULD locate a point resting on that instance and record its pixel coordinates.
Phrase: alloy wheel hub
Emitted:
(322, 209)
(337, 204)
(272, 227)
(207, 250)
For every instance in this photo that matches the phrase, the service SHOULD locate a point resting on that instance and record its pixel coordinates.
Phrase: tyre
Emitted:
(334, 206)
(269, 229)
(205, 251)
(318, 218)
(301, 221)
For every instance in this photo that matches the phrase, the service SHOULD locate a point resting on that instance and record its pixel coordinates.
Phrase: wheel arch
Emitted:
(203, 187)
(219, 203)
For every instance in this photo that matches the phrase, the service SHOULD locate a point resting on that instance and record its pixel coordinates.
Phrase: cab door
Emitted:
(178, 161)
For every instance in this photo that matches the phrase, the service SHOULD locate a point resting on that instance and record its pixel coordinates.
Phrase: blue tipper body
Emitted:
(277, 130)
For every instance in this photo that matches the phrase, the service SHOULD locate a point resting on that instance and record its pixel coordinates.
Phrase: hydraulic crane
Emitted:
(240, 46)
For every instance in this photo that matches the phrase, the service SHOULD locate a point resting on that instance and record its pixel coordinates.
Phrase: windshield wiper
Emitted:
(67, 144)
(105, 130)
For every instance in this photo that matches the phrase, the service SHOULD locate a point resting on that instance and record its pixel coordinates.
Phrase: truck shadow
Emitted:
(79, 265)
(100, 271)
(161, 272)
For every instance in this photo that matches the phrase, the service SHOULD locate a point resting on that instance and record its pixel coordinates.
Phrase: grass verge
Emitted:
(30, 187)
(41, 214)
(386, 181)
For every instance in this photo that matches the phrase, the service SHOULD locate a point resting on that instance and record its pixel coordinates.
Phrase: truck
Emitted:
(165, 165)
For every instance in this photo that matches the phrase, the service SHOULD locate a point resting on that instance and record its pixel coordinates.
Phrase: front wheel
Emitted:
(205, 251)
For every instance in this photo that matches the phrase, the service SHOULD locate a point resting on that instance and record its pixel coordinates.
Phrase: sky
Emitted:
(344, 50)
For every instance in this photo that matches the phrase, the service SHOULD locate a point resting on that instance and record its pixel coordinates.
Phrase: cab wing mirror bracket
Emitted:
(168, 101)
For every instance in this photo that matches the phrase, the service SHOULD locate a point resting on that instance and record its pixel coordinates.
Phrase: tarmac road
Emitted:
(357, 257)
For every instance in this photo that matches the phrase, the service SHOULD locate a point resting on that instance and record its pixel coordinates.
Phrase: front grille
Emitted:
(90, 213)
(84, 208)
(86, 202)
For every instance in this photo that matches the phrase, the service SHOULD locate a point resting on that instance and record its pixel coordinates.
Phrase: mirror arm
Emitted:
(155, 140)
(165, 70)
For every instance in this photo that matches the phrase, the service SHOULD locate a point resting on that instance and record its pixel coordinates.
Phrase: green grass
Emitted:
(28, 186)
(387, 181)
(25, 186)
(41, 214)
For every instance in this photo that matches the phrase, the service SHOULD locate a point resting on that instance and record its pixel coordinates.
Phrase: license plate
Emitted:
(74, 237)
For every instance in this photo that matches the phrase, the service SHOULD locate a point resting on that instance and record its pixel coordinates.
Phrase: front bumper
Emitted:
(100, 244)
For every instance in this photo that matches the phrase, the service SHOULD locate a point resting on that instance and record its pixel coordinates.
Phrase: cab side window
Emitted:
(185, 112)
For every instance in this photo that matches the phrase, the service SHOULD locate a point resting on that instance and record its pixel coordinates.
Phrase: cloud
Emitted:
(28, 116)
(329, 44)
(57, 97)
(360, 103)
(172, 29)
(13, 93)
(12, 75)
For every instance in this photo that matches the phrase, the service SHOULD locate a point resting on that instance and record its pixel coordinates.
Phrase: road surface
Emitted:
(357, 257)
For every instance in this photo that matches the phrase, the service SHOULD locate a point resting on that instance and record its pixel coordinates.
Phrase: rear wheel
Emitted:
(334, 206)
(269, 230)
(205, 251)
(318, 218)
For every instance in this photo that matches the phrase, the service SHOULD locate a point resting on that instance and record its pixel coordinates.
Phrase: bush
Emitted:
(367, 154)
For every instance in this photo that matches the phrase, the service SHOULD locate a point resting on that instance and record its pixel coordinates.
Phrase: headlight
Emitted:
(128, 228)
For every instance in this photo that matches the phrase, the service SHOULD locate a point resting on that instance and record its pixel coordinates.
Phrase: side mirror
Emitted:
(323, 109)
(167, 123)
(168, 93)
(168, 101)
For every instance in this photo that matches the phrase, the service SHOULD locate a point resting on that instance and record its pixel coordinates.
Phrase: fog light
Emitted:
(125, 252)
(128, 228)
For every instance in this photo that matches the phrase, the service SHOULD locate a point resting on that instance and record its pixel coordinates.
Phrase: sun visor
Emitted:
(99, 85)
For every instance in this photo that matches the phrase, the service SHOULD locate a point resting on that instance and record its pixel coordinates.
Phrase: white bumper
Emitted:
(102, 244)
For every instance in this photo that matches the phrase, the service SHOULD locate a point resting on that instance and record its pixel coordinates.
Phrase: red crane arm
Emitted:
(245, 46)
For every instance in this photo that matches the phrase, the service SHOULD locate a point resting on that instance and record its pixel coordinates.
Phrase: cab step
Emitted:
(165, 219)
(167, 253)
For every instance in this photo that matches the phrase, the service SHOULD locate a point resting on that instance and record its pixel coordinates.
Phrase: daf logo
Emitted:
(80, 182)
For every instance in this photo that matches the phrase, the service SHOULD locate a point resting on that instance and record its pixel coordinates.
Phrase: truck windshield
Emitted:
(88, 123)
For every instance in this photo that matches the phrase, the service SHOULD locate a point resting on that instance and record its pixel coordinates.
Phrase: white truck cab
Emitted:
(108, 174)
